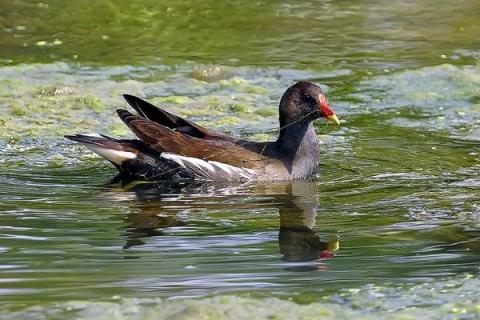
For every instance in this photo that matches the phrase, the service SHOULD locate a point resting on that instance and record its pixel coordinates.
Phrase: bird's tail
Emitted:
(114, 150)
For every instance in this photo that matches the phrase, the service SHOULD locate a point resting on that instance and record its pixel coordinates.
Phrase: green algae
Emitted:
(228, 121)
(241, 108)
(223, 307)
(210, 73)
(233, 83)
(57, 99)
(86, 102)
(18, 111)
(443, 94)
(264, 112)
(213, 101)
(118, 129)
(242, 85)
(255, 90)
(90, 102)
(261, 137)
(172, 99)
(233, 307)
(56, 160)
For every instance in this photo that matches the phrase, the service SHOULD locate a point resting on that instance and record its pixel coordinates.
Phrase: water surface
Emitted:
(391, 222)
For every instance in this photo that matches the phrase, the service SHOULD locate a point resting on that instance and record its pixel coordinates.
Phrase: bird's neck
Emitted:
(297, 147)
(291, 135)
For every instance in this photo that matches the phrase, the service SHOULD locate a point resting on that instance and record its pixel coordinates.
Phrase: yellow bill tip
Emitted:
(333, 118)
(333, 245)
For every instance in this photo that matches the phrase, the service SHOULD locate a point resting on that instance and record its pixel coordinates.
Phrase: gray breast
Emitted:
(305, 162)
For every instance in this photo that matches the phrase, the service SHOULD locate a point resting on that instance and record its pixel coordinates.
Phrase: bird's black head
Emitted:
(304, 102)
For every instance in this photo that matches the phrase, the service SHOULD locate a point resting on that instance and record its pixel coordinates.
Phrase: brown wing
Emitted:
(163, 139)
(164, 118)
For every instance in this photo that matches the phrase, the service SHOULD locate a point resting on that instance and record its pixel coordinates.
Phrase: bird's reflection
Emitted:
(295, 201)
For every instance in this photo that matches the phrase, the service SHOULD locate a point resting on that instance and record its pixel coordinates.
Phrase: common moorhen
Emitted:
(169, 147)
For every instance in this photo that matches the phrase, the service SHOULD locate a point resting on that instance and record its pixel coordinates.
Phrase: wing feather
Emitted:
(163, 139)
(171, 121)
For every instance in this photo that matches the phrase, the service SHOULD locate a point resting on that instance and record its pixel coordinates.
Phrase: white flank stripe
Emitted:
(116, 156)
(223, 166)
(90, 134)
(210, 170)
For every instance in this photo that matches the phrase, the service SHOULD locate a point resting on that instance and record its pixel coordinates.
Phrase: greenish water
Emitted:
(398, 189)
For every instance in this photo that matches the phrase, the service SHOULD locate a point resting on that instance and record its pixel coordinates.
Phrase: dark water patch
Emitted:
(370, 35)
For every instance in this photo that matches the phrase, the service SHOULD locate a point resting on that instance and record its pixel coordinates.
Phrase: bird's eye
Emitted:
(308, 99)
